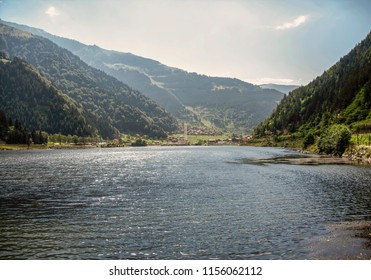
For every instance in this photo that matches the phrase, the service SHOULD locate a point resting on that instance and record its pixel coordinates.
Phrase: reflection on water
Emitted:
(170, 203)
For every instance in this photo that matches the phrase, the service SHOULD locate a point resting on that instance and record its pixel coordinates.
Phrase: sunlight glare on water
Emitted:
(170, 203)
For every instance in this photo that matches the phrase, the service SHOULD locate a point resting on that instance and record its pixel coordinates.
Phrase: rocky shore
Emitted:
(300, 160)
(361, 154)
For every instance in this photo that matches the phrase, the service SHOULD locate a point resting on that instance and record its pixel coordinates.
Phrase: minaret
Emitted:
(185, 133)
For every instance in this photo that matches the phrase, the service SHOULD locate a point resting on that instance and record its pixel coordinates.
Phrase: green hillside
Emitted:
(30, 98)
(340, 96)
(111, 104)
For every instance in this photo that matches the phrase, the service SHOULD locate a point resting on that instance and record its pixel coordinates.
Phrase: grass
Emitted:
(195, 139)
(200, 139)
(283, 141)
(361, 139)
(16, 147)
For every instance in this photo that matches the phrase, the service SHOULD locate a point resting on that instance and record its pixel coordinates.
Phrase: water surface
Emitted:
(171, 203)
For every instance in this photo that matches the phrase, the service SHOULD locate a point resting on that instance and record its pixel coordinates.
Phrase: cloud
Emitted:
(283, 81)
(295, 23)
(52, 12)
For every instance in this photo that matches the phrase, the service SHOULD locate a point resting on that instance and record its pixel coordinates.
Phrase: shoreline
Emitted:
(19, 147)
(360, 153)
(355, 156)
(305, 159)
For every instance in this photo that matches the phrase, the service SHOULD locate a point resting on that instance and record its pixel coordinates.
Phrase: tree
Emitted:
(335, 140)
(308, 139)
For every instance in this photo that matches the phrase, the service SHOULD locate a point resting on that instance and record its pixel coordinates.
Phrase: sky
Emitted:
(258, 41)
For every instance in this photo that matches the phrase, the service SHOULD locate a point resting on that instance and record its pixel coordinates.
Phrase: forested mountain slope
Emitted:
(112, 104)
(229, 104)
(341, 95)
(30, 98)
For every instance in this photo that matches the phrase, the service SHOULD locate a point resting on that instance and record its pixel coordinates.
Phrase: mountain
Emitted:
(341, 95)
(226, 103)
(111, 104)
(282, 88)
(14, 133)
(30, 98)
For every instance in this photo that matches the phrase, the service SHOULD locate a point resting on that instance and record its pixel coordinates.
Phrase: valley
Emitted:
(120, 93)
(221, 103)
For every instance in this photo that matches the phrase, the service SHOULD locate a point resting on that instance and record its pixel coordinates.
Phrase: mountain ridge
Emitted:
(112, 104)
(29, 97)
(176, 90)
(226, 103)
(340, 96)
(282, 88)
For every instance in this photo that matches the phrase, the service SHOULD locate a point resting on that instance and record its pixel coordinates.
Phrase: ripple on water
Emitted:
(170, 203)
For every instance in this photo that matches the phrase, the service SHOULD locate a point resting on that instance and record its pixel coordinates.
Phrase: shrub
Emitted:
(308, 139)
(335, 140)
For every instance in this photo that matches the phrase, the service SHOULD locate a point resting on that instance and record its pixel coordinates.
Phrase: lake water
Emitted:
(171, 203)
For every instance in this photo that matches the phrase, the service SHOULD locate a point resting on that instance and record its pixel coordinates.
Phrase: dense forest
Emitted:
(340, 96)
(109, 104)
(14, 133)
(30, 98)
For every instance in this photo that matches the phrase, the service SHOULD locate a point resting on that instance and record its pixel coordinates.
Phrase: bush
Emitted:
(308, 139)
(335, 140)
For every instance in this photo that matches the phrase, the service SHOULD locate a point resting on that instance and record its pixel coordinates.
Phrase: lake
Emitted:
(171, 203)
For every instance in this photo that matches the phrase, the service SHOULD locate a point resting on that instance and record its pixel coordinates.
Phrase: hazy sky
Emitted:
(259, 41)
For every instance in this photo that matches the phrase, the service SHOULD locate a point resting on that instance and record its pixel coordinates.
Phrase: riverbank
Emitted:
(299, 160)
(306, 159)
(17, 147)
(360, 153)
(354, 154)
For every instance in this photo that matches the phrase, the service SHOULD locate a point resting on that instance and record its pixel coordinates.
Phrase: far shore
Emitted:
(17, 147)
(304, 158)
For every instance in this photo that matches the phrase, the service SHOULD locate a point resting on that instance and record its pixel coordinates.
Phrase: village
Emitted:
(205, 136)
(192, 135)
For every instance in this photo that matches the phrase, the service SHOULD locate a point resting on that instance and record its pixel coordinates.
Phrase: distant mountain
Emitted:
(112, 105)
(341, 95)
(29, 97)
(229, 104)
(282, 88)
